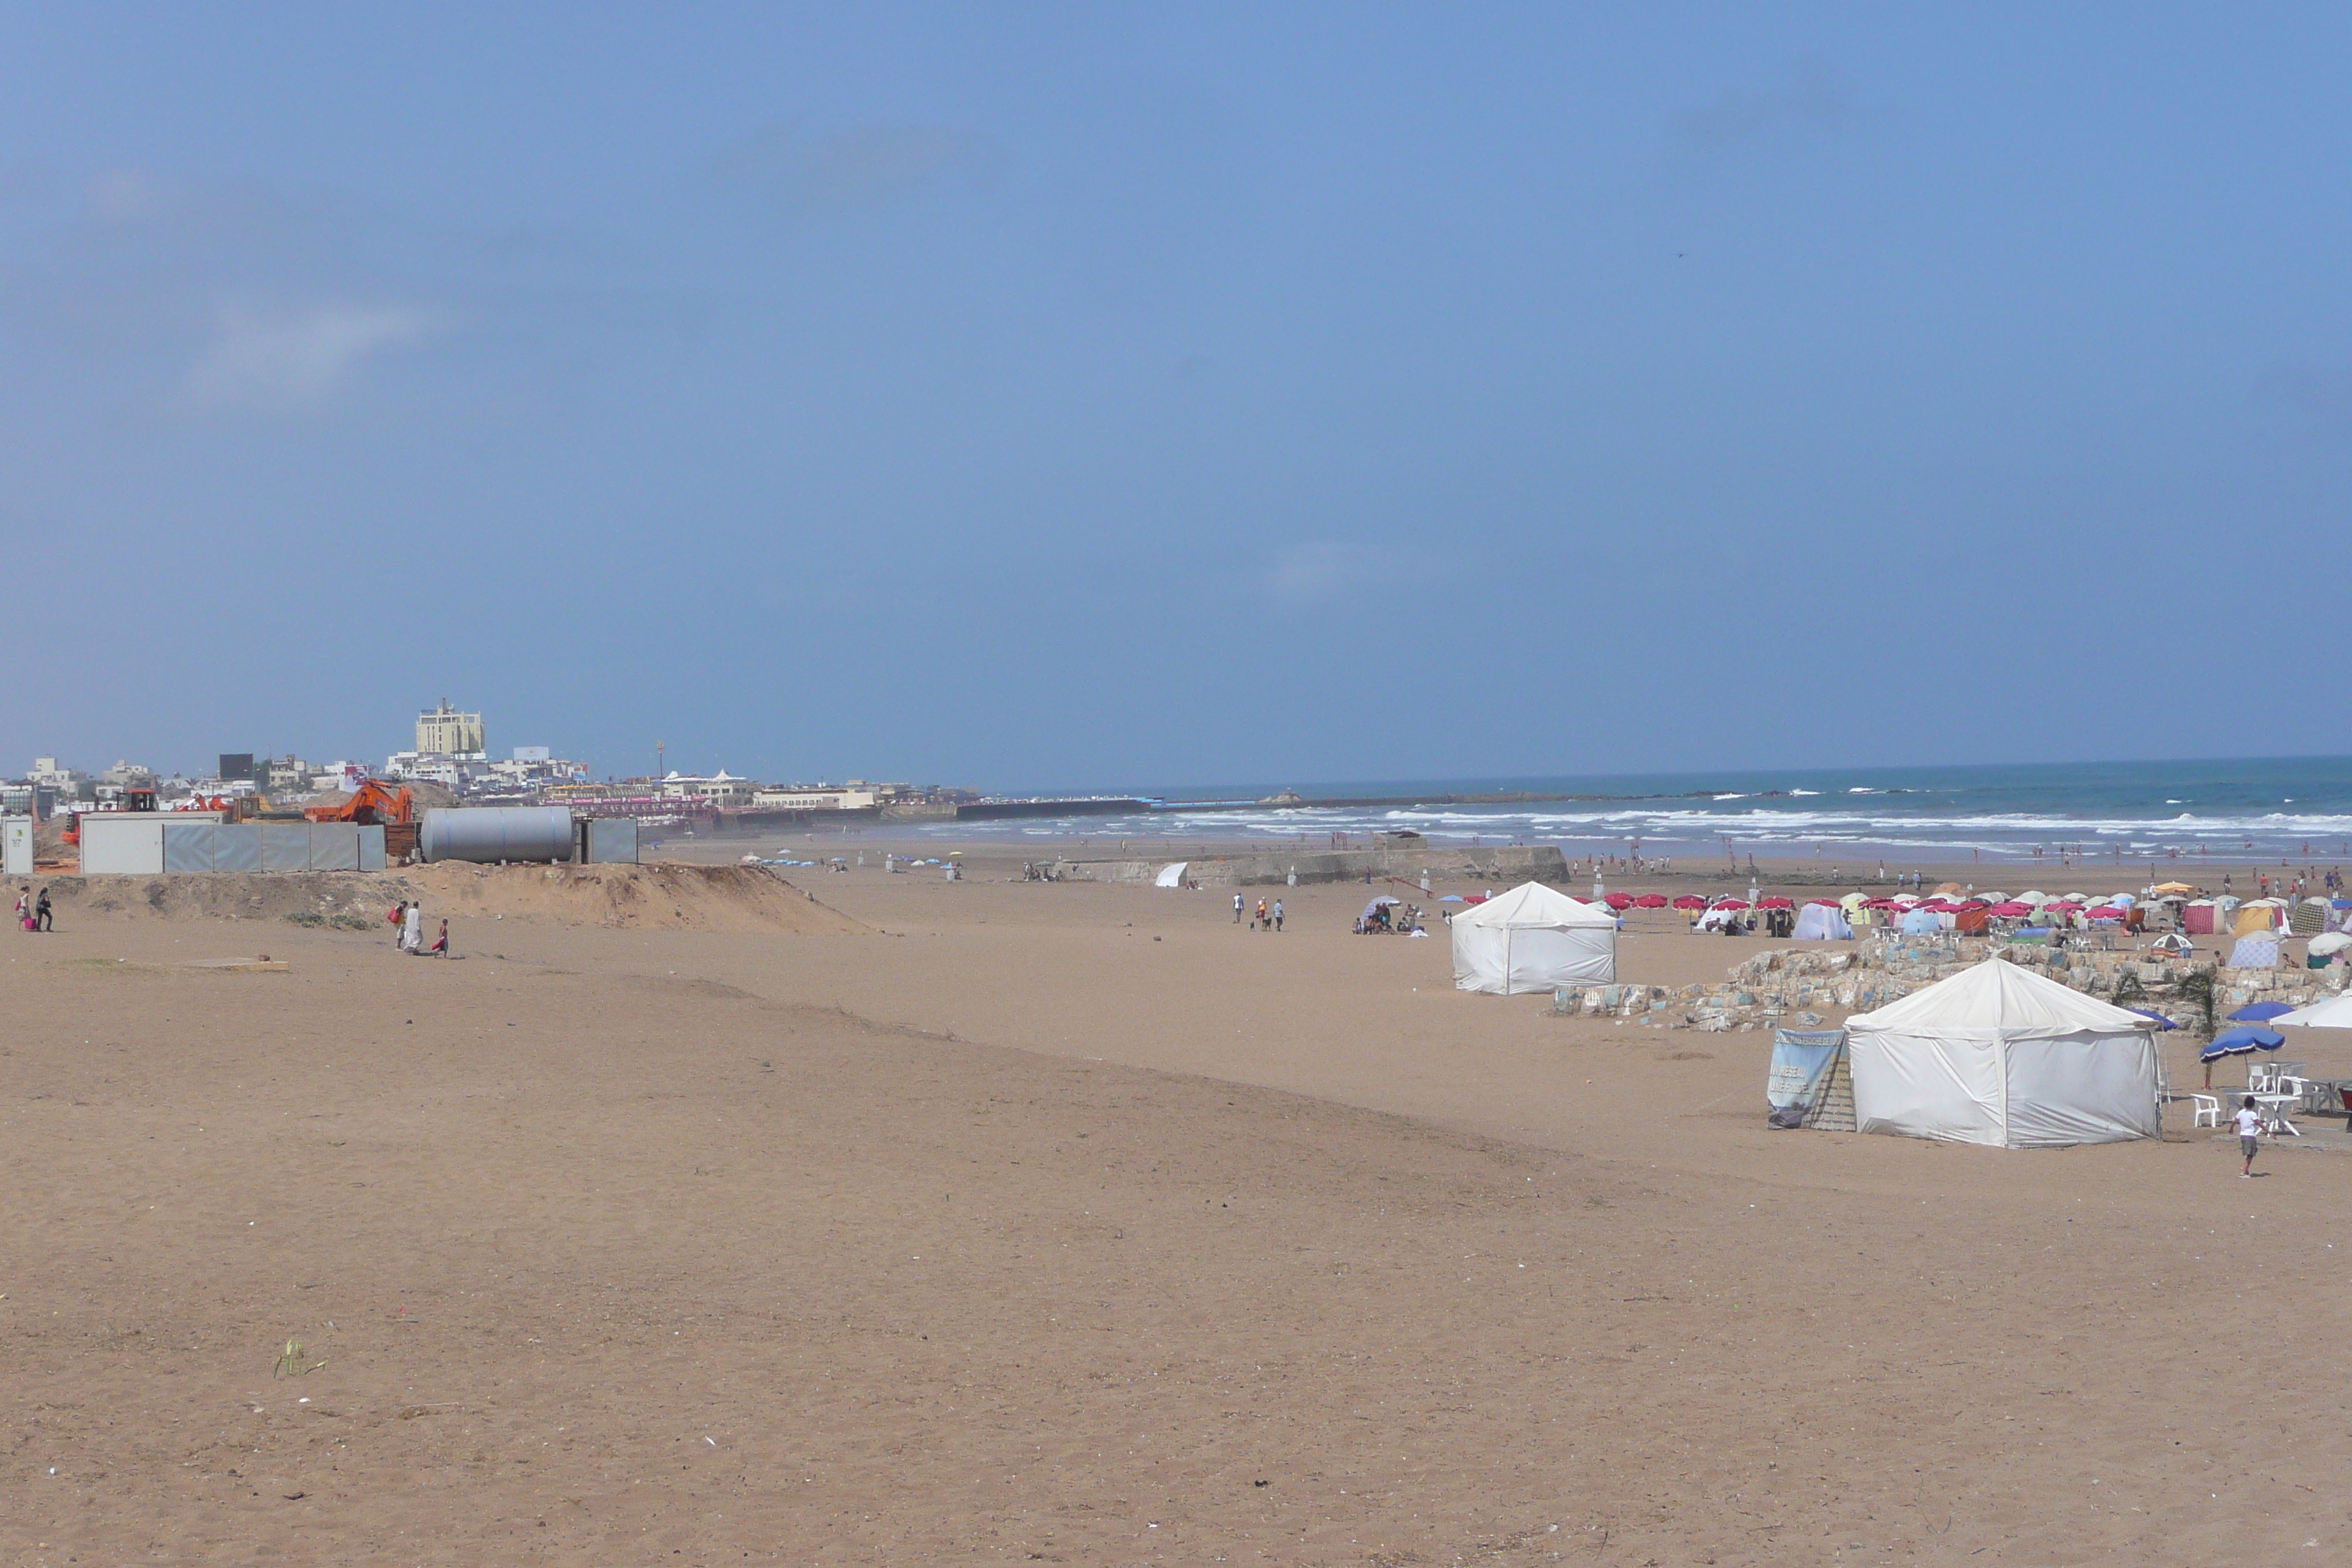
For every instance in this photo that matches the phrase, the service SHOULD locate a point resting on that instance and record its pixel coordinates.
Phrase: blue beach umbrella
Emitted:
(2259, 1012)
(2153, 1016)
(2240, 1042)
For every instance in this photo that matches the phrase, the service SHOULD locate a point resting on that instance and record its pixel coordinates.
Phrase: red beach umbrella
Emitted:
(1690, 901)
(1775, 901)
(1619, 900)
(1729, 904)
(2012, 908)
(1651, 901)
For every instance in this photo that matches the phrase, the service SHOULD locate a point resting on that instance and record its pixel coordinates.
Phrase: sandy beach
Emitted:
(991, 1221)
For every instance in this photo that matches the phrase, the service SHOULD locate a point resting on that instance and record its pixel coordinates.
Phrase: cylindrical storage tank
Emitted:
(493, 833)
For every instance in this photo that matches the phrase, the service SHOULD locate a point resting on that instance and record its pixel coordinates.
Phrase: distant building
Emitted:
(447, 731)
(451, 773)
(346, 777)
(721, 789)
(798, 798)
(289, 773)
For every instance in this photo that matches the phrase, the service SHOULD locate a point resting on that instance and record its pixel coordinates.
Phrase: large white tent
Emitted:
(2002, 1056)
(1533, 938)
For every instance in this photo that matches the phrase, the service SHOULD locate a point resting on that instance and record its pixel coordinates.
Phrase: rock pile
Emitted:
(1799, 987)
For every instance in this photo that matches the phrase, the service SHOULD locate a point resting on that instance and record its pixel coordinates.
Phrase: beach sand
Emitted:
(999, 1222)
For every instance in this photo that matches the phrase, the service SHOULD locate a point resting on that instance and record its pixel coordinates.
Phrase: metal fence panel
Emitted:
(188, 845)
(372, 848)
(285, 846)
(612, 840)
(236, 846)
(125, 847)
(334, 846)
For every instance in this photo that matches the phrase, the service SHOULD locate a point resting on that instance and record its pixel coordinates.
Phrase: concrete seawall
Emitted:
(1506, 865)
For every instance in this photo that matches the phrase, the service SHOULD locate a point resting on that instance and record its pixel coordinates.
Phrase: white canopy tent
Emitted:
(1533, 938)
(2001, 1056)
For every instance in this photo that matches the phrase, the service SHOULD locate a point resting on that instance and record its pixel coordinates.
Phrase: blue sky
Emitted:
(1096, 397)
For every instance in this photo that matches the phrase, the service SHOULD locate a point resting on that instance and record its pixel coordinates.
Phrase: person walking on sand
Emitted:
(1261, 923)
(42, 919)
(441, 948)
(1237, 908)
(412, 928)
(2250, 1132)
(25, 908)
(1277, 914)
(395, 917)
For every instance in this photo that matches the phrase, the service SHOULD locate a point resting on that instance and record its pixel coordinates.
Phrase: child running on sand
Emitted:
(2250, 1132)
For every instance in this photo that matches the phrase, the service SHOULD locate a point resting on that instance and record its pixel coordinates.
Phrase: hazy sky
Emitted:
(1082, 397)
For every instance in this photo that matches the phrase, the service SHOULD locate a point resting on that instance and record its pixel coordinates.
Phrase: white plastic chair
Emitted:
(2208, 1112)
(2262, 1077)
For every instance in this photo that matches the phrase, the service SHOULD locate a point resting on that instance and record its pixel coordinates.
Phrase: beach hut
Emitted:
(2256, 916)
(1533, 938)
(2001, 1056)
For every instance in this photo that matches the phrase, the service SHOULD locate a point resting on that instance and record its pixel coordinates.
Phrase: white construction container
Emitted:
(16, 846)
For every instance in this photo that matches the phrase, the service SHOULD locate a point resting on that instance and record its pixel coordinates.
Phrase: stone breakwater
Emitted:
(1505, 866)
(1801, 987)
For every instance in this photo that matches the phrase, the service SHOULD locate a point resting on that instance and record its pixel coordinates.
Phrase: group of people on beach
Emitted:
(1263, 919)
(407, 920)
(34, 914)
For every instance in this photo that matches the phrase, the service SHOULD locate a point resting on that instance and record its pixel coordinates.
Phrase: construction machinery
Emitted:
(370, 804)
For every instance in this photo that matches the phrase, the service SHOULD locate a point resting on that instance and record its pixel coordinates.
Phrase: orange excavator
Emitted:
(370, 804)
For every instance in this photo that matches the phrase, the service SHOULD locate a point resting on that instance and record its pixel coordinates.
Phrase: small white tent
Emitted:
(2000, 1055)
(1822, 922)
(1533, 938)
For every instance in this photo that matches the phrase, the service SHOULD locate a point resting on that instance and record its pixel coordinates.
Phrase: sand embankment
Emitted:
(661, 896)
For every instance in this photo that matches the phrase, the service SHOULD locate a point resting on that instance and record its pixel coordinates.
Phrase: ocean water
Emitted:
(2297, 808)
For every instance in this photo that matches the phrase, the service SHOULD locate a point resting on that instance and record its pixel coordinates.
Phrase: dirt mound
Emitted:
(354, 898)
(663, 895)
(657, 896)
